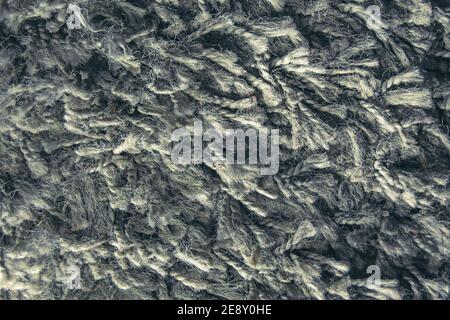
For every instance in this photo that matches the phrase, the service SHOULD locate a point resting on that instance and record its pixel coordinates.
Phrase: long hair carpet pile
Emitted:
(87, 181)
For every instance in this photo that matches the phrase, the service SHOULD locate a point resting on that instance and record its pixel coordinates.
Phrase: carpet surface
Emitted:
(91, 91)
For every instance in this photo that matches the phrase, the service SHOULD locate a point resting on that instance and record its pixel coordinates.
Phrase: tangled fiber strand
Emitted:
(86, 177)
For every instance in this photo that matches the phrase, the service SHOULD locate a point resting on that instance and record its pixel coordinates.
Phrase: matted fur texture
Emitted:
(86, 177)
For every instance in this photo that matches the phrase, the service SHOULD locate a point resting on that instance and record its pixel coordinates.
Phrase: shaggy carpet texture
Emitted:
(86, 178)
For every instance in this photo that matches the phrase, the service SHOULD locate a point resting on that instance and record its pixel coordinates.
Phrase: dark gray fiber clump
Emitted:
(87, 181)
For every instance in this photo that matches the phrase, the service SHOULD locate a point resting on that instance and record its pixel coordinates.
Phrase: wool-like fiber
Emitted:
(87, 179)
